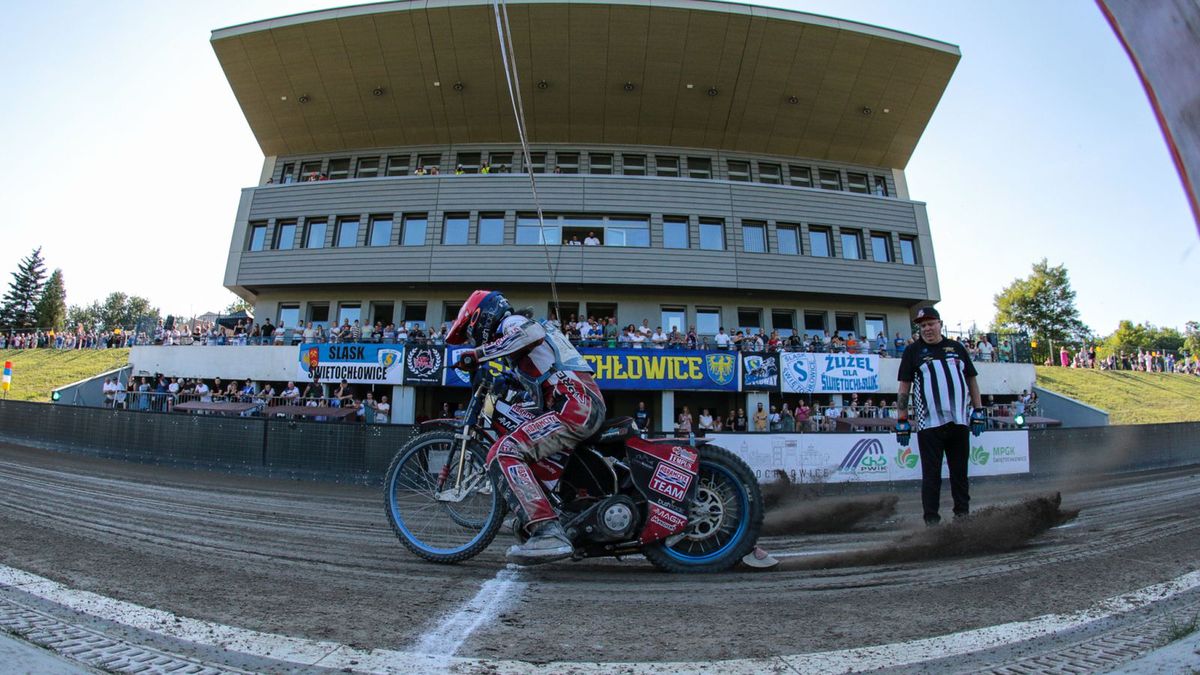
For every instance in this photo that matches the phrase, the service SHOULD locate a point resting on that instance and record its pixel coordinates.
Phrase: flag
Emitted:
(7, 381)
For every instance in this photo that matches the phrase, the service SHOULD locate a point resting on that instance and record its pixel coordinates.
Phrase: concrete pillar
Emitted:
(753, 398)
(404, 405)
(666, 416)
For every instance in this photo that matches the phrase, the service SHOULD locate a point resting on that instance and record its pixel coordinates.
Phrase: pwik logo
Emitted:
(865, 456)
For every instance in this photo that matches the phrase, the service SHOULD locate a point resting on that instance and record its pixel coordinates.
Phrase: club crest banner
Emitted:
(423, 364)
(656, 369)
(355, 363)
(760, 371)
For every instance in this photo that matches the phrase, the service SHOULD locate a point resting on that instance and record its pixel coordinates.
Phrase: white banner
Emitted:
(805, 373)
(842, 458)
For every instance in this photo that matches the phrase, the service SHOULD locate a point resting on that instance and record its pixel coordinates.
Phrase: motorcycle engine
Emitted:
(611, 519)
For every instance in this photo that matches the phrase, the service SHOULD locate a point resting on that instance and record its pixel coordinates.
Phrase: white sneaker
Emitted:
(547, 544)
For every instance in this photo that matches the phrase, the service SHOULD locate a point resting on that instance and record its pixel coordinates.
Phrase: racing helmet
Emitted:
(479, 319)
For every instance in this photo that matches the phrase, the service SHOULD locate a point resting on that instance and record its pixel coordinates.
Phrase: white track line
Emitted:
(333, 655)
(495, 594)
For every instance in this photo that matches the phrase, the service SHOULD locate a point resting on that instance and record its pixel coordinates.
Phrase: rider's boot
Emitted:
(547, 543)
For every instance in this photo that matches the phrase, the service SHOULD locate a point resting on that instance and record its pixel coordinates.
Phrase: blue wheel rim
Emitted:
(399, 521)
(744, 505)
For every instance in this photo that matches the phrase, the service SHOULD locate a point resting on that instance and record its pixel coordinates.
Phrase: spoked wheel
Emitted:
(723, 522)
(442, 504)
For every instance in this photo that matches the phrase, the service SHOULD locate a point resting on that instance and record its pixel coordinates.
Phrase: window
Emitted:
(627, 231)
(566, 162)
(708, 320)
(537, 163)
(666, 166)
(769, 173)
(428, 162)
(800, 176)
(881, 247)
(851, 244)
(635, 165)
(258, 236)
(314, 233)
(784, 321)
(467, 161)
(699, 167)
(530, 231)
(739, 171)
(754, 237)
(414, 314)
(500, 161)
(749, 320)
(339, 169)
(310, 170)
(788, 237)
(814, 323)
(289, 315)
(569, 312)
(908, 250)
(601, 164)
(712, 234)
(397, 165)
(368, 167)
(881, 186)
(289, 173)
(818, 242)
(857, 182)
(455, 229)
(414, 229)
(285, 235)
(674, 318)
(845, 324)
(491, 228)
(830, 179)
(450, 310)
(318, 313)
(675, 232)
(349, 312)
(602, 310)
(347, 232)
(381, 231)
(382, 312)
(875, 324)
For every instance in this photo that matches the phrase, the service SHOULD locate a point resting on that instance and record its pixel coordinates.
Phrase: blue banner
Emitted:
(355, 363)
(805, 373)
(655, 369)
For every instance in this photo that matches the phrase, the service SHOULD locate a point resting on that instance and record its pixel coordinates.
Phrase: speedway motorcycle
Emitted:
(685, 508)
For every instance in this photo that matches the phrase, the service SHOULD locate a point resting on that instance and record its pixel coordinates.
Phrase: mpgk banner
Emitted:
(843, 458)
(805, 373)
(355, 363)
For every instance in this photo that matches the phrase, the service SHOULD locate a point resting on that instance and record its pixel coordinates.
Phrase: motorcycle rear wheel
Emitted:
(427, 515)
(726, 517)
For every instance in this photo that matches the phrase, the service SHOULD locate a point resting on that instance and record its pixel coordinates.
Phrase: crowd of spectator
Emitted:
(67, 339)
(1144, 361)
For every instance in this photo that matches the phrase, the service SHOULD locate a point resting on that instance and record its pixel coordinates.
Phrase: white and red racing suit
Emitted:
(561, 380)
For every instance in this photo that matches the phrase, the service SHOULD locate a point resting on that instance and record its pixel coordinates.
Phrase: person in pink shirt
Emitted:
(1064, 358)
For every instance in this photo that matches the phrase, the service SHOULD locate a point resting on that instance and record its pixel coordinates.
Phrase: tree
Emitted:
(51, 308)
(1043, 306)
(1191, 340)
(17, 310)
(118, 309)
(1130, 337)
(239, 305)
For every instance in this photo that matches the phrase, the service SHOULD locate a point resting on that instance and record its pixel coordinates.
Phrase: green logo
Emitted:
(979, 456)
(907, 458)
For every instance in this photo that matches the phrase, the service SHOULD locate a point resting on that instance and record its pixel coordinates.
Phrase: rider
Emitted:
(561, 383)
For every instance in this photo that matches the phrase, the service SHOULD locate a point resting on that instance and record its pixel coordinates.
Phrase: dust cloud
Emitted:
(800, 508)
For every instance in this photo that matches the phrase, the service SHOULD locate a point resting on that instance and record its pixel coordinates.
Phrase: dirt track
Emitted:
(319, 561)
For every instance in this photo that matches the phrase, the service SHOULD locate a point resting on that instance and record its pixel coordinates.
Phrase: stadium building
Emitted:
(742, 167)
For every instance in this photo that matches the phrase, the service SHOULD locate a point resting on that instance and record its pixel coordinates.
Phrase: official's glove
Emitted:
(979, 421)
(468, 360)
(903, 433)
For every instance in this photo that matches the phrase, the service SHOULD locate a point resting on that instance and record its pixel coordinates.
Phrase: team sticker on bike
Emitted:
(683, 458)
(666, 518)
(669, 481)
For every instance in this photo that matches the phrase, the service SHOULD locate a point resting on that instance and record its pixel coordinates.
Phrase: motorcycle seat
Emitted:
(615, 430)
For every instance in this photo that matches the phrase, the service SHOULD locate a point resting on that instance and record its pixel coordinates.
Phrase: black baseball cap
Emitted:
(927, 314)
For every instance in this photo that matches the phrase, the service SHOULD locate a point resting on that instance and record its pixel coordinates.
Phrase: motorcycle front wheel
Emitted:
(724, 519)
(443, 505)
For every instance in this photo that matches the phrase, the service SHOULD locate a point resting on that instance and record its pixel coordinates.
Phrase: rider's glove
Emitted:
(978, 421)
(903, 433)
(468, 360)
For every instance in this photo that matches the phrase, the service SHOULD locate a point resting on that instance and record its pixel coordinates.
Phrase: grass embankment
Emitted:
(1129, 398)
(37, 371)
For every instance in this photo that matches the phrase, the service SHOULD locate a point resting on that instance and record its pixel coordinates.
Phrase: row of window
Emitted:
(627, 164)
(706, 320)
(602, 230)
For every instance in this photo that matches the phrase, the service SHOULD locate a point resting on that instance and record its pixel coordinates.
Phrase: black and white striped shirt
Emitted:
(938, 373)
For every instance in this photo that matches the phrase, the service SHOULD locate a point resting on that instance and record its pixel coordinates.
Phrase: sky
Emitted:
(125, 153)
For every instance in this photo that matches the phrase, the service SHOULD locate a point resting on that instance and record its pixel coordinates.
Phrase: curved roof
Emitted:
(686, 73)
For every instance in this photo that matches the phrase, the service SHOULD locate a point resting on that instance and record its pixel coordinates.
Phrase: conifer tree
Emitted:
(18, 308)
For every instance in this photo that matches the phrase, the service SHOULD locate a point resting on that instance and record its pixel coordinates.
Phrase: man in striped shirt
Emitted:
(937, 375)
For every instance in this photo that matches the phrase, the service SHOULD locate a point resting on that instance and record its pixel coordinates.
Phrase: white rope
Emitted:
(504, 31)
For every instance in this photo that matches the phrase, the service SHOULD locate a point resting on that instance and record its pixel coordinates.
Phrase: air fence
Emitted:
(360, 453)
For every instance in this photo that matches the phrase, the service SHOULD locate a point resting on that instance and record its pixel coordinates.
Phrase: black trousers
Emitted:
(953, 442)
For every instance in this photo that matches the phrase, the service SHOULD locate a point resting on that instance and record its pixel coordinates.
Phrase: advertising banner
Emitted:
(423, 364)
(805, 373)
(843, 458)
(760, 371)
(355, 363)
(654, 369)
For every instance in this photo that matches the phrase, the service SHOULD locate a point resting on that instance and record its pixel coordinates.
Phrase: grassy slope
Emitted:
(37, 371)
(1129, 398)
